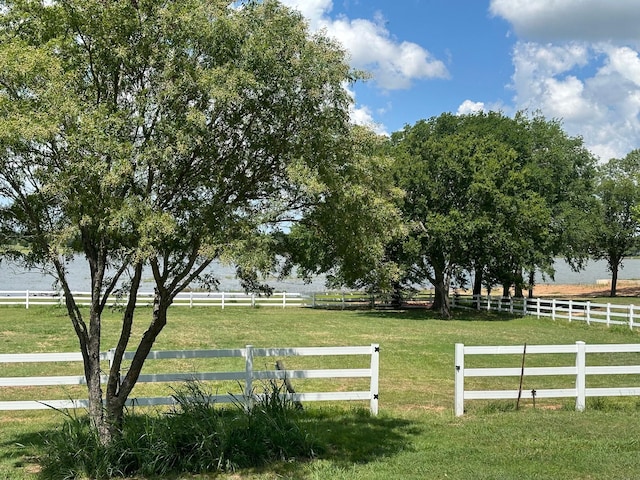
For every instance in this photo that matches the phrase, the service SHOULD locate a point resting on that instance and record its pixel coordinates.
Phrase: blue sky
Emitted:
(574, 60)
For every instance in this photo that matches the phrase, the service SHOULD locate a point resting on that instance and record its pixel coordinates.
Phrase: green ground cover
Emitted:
(416, 434)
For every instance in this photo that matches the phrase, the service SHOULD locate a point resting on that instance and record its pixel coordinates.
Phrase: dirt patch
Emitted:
(626, 288)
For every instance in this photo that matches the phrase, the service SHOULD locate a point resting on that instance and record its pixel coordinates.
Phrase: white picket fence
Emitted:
(183, 299)
(247, 376)
(577, 369)
(571, 310)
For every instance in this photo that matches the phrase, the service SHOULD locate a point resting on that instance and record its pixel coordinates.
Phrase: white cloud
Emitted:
(393, 64)
(578, 60)
(553, 20)
(602, 105)
(468, 107)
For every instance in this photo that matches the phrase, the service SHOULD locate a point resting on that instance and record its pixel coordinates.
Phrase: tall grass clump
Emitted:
(195, 436)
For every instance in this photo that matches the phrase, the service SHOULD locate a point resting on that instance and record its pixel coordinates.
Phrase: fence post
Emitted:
(375, 371)
(253, 300)
(222, 300)
(631, 317)
(538, 307)
(511, 305)
(459, 380)
(284, 299)
(488, 303)
(191, 299)
(248, 378)
(608, 314)
(580, 376)
(342, 300)
(525, 307)
(553, 309)
(588, 313)
(313, 300)
(26, 301)
(570, 309)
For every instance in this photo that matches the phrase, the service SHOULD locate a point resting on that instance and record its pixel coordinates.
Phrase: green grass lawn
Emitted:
(416, 434)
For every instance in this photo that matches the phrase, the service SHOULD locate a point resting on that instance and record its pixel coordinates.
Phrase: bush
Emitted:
(195, 437)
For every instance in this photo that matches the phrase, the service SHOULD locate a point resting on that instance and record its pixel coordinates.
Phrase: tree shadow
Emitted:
(22, 451)
(343, 437)
(462, 315)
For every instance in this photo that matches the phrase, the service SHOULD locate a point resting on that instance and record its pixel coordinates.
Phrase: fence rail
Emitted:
(577, 369)
(183, 299)
(571, 310)
(247, 376)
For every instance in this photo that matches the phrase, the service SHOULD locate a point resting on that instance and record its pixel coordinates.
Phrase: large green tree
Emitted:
(162, 133)
(466, 203)
(617, 232)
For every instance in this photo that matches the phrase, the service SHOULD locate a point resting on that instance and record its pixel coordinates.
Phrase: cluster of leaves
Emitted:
(490, 195)
(617, 227)
(195, 437)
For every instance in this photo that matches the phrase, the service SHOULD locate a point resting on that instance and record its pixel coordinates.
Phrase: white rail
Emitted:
(247, 376)
(577, 369)
(183, 299)
(557, 309)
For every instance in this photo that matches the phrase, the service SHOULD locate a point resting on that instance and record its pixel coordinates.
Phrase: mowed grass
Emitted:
(416, 434)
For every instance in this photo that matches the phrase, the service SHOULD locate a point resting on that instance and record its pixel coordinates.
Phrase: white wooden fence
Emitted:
(571, 310)
(183, 299)
(577, 369)
(246, 376)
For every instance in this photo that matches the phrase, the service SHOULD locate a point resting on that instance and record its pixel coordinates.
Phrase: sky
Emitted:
(577, 61)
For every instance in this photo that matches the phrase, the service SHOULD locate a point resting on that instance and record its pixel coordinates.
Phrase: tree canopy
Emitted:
(169, 134)
(617, 227)
(490, 195)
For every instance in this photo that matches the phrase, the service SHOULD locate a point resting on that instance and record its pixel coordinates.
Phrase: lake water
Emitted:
(15, 278)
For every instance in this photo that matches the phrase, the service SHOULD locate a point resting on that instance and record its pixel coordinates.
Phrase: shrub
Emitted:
(195, 436)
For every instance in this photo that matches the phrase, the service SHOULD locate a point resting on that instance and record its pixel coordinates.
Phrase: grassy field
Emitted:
(416, 435)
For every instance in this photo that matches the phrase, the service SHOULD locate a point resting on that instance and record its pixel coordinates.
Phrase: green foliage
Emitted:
(195, 437)
(617, 228)
(168, 134)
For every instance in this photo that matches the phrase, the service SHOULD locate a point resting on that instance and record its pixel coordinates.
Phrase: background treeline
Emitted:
(487, 200)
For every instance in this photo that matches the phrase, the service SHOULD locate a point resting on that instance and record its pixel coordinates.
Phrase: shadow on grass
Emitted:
(21, 451)
(343, 437)
(457, 315)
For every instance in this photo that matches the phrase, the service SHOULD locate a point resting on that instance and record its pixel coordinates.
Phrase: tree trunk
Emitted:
(441, 298)
(116, 400)
(477, 286)
(532, 281)
(614, 279)
(397, 296)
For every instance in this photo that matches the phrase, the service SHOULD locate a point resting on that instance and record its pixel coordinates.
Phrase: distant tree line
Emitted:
(488, 200)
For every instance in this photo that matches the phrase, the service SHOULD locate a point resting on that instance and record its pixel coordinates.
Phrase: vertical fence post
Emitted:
(253, 300)
(525, 307)
(570, 309)
(488, 303)
(26, 300)
(222, 300)
(631, 317)
(284, 299)
(538, 307)
(608, 314)
(511, 305)
(313, 300)
(553, 309)
(342, 300)
(375, 371)
(588, 313)
(459, 380)
(191, 299)
(580, 376)
(248, 378)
